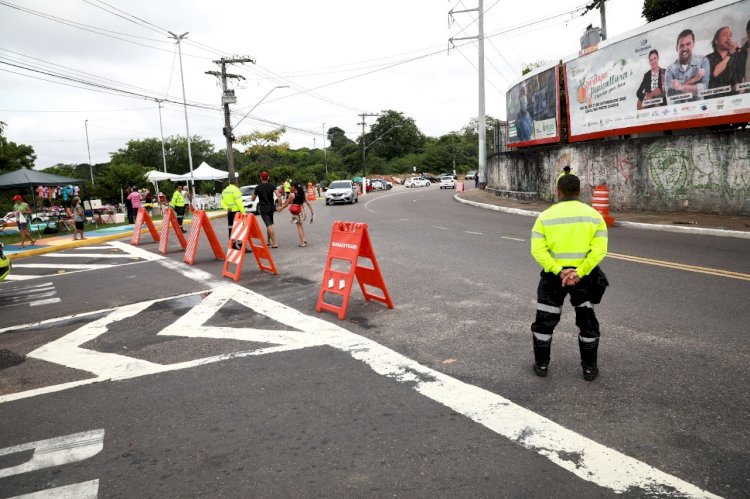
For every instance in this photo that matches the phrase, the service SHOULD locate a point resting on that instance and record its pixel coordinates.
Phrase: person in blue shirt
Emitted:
(524, 123)
(690, 73)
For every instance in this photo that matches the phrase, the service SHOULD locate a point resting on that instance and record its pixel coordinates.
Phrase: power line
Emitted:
(143, 23)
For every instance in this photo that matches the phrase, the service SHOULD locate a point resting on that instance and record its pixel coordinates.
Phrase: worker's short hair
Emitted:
(569, 185)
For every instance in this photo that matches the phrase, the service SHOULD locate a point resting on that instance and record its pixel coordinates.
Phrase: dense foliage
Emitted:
(394, 145)
(656, 9)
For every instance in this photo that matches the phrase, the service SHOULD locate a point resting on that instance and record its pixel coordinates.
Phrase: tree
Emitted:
(337, 139)
(264, 143)
(528, 68)
(112, 178)
(396, 136)
(147, 153)
(14, 156)
(656, 9)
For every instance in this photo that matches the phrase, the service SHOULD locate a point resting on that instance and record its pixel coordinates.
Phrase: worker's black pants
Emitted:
(550, 297)
(180, 212)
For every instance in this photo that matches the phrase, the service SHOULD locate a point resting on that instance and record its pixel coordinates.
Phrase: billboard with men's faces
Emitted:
(687, 70)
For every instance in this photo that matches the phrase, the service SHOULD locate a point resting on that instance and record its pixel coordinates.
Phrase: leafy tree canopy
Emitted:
(14, 156)
(656, 9)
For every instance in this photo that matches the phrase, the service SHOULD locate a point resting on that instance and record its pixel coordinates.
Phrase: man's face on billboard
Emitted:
(685, 48)
(725, 39)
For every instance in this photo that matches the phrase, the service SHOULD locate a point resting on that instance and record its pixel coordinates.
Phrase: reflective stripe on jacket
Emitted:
(231, 199)
(569, 234)
(177, 200)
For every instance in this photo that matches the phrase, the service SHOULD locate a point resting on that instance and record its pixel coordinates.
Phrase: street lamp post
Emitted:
(184, 104)
(88, 148)
(365, 148)
(161, 132)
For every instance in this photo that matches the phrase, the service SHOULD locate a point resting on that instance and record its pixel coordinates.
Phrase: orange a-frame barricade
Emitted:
(140, 218)
(201, 222)
(310, 192)
(349, 242)
(246, 230)
(170, 220)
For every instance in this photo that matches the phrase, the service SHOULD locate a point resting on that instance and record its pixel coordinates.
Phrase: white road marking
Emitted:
(512, 238)
(470, 232)
(83, 490)
(48, 301)
(73, 266)
(19, 277)
(571, 451)
(56, 451)
(87, 255)
(441, 228)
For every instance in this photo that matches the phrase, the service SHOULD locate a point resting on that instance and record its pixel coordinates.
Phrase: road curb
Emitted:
(631, 225)
(41, 250)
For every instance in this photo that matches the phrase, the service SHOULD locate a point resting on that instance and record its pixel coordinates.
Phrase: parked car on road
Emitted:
(416, 182)
(342, 191)
(430, 178)
(447, 182)
(380, 184)
(471, 175)
(247, 198)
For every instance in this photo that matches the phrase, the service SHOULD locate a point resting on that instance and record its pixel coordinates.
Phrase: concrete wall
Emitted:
(704, 172)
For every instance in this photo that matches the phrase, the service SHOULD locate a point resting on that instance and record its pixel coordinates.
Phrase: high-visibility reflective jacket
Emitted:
(569, 234)
(231, 199)
(177, 199)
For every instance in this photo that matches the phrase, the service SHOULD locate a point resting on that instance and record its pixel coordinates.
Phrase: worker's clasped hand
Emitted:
(569, 277)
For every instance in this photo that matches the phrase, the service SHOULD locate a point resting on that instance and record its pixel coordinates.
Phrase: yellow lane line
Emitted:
(681, 266)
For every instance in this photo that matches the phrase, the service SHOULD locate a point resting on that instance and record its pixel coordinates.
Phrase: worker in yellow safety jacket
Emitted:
(178, 205)
(231, 200)
(568, 240)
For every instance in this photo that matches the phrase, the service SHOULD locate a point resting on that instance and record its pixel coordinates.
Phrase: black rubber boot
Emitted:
(542, 349)
(588, 358)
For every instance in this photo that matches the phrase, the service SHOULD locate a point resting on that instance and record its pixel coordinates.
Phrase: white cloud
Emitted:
(312, 42)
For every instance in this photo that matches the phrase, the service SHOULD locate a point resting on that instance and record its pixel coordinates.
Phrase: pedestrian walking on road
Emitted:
(296, 204)
(231, 200)
(136, 200)
(569, 240)
(267, 206)
(22, 212)
(79, 218)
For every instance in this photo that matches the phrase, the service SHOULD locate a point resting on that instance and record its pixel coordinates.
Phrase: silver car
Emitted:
(342, 191)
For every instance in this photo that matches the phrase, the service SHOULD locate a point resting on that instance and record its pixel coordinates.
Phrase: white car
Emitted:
(247, 198)
(342, 191)
(416, 182)
(447, 182)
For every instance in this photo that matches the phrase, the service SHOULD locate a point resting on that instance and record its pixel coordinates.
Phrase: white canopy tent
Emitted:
(203, 172)
(156, 176)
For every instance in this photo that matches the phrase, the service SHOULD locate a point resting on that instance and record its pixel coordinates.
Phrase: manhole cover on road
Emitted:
(10, 359)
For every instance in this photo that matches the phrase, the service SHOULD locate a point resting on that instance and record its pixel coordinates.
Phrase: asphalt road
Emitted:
(164, 380)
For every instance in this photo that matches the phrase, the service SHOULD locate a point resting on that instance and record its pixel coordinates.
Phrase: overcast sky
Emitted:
(339, 58)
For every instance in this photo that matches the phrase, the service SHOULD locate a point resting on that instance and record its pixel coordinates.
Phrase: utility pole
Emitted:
(364, 170)
(481, 119)
(179, 38)
(325, 151)
(228, 97)
(161, 132)
(603, 14)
